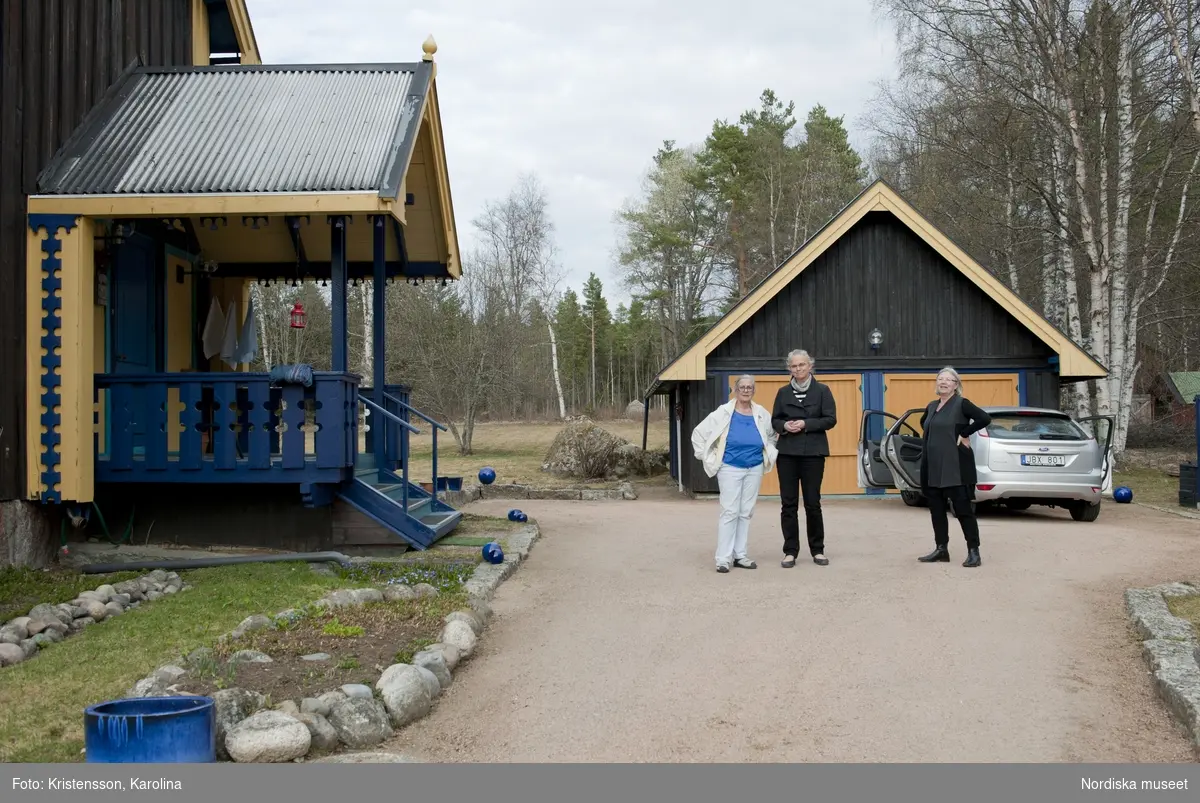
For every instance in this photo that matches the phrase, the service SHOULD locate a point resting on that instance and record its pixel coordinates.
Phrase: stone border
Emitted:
(1170, 649)
(473, 493)
(352, 716)
(22, 637)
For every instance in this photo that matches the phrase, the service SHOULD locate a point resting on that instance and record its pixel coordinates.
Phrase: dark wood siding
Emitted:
(58, 58)
(698, 399)
(258, 515)
(1042, 389)
(881, 275)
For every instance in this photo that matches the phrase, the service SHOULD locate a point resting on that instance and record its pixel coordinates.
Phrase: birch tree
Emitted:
(517, 237)
(1088, 79)
(669, 256)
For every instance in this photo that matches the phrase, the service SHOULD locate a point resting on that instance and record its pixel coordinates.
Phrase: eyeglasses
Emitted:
(744, 389)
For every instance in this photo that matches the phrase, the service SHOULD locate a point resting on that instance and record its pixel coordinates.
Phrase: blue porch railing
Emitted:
(395, 415)
(225, 427)
(394, 401)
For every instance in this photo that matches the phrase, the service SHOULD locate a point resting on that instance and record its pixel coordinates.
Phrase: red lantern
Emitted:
(298, 316)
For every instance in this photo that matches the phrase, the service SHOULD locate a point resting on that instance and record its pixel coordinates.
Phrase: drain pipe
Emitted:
(204, 563)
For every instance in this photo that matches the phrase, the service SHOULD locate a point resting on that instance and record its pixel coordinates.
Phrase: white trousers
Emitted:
(739, 492)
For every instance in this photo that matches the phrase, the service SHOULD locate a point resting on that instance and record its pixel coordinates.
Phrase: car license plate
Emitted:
(1043, 460)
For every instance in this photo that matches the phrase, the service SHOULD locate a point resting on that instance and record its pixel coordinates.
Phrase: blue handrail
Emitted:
(405, 426)
(390, 415)
(433, 445)
(416, 412)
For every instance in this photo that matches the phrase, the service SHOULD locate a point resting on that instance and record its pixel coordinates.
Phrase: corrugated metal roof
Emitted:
(1187, 383)
(245, 130)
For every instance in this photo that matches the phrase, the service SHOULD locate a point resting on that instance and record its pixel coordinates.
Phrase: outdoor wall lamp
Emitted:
(205, 267)
(875, 338)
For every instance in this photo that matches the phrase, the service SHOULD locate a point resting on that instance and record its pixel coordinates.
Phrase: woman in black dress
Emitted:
(948, 466)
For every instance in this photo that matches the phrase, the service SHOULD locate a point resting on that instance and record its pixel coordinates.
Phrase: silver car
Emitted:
(1026, 456)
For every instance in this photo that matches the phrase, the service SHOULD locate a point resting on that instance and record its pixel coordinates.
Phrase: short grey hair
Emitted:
(753, 384)
(794, 353)
(957, 379)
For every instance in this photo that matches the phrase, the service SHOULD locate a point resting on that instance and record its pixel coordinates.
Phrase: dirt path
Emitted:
(617, 641)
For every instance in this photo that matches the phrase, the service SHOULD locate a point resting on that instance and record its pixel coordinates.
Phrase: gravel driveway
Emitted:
(617, 641)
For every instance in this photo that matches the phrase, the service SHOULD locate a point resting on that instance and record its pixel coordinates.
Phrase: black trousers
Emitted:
(796, 475)
(956, 496)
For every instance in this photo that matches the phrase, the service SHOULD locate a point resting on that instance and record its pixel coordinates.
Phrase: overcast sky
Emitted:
(582, 93)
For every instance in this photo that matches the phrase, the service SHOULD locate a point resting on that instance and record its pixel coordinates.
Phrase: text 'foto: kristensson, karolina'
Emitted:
(97, 785)
(1094, 784)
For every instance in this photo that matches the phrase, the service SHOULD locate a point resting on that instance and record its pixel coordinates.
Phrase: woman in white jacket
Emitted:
(736, 444)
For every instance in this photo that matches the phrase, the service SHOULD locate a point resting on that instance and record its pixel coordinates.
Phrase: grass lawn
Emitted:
(1149, 485)
(516, 451)
(42, 699)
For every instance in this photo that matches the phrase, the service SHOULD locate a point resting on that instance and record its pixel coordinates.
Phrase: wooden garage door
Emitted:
(902, 392)
(841, 468)
(905, 391)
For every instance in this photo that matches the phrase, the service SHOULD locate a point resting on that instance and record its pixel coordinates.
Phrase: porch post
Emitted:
(378, 286)
(338, 270)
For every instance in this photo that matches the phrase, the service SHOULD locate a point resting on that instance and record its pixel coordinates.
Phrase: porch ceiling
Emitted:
(252, 160)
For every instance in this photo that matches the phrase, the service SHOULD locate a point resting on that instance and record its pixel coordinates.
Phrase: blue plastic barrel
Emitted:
(151, 730)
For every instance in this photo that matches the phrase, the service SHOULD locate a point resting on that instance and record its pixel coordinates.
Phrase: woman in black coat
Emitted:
(948, 465)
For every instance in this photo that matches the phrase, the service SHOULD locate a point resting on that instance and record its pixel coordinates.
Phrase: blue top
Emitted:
(744, 444)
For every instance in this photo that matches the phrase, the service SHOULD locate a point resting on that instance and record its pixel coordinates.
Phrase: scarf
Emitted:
(802, 388)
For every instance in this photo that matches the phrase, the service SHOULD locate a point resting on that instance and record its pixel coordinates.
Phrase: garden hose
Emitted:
(125, 537)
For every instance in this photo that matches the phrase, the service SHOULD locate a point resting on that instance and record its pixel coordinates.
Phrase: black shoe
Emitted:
(938, 555)
(972, 559)
(723, 569)
(744, 563)
(821, 561)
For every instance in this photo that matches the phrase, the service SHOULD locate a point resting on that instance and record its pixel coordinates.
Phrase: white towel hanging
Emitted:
(214, 328)
(247, 347)
(230, 343)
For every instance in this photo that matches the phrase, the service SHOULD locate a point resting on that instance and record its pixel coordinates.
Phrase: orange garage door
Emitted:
(841, 469)
(903, 392)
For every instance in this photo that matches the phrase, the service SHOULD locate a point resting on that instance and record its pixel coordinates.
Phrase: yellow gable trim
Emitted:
(331, 203)
(690, 366)
(433, 117)
(239, 15)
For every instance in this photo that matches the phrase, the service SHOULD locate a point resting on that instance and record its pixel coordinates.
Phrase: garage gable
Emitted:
(1074, 362)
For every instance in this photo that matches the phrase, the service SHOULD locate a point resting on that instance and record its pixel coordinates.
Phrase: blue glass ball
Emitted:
(514, 515)
(1123, 495)
(487, 475)
(521, 516)
(492, 552)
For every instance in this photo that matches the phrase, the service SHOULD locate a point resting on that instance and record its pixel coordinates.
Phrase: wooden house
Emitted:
(153, 169)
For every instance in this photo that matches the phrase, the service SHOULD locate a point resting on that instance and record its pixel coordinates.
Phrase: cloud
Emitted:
(584, 93)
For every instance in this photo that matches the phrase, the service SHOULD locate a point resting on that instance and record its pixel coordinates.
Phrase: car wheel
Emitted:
(912, 498)
(1082, 511)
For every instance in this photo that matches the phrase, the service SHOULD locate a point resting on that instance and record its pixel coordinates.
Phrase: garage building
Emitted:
(881, 300)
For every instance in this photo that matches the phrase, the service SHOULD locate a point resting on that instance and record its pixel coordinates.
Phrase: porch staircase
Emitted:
(379, 495)
(400, 506)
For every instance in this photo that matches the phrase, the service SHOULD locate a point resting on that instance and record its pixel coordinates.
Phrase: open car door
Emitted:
(903, 449)
(873, 471)
(1102, 427)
